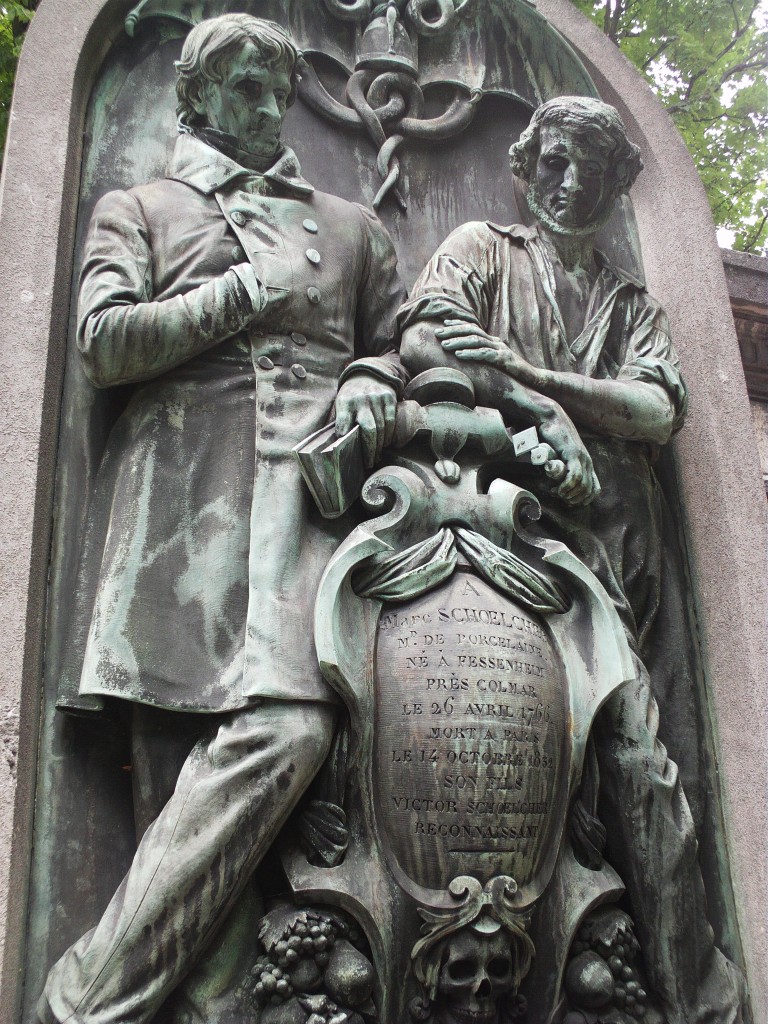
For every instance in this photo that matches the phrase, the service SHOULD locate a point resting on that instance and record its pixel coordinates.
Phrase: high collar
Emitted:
(524, 234)
(208, 170)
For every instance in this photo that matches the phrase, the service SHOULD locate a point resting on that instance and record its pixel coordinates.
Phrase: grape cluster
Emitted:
(309, 937)
(620, 954)
(271, 985)
(314, 938)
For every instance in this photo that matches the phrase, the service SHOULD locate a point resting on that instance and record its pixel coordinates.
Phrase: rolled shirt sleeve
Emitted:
(457, 282)
(473, 275)
(651, 358)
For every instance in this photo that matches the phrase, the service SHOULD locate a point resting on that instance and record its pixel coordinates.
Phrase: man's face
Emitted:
(249, 103)
(571, 190)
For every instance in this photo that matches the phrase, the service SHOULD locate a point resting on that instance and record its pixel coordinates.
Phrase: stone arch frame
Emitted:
(718, 481)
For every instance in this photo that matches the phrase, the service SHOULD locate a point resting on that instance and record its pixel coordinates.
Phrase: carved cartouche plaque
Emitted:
(471, 734)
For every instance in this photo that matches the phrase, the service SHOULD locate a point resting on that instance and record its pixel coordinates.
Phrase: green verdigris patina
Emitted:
(538, 306)
(243, 308)
(199, 473)
(202, 289)
(214, 318)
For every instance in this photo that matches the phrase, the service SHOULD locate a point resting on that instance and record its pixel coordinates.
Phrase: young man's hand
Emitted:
(580, 484)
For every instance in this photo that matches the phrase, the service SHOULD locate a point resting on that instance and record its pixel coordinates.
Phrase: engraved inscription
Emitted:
(470, 733)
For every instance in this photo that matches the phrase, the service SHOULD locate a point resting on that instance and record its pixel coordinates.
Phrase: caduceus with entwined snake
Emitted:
(383, 93)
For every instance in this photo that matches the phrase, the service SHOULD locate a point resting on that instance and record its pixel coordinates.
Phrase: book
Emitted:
(333, 468)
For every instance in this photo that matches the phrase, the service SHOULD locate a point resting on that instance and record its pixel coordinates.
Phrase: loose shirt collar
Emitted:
(208, 170)
(530, 236)
(586, 349)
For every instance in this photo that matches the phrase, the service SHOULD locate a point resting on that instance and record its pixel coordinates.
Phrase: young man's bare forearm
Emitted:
(518, 403)
(630, 409)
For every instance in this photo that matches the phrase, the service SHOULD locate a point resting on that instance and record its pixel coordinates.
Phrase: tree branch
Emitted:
(658, 51)
(718, 57)
(607, 18)
(753, 237)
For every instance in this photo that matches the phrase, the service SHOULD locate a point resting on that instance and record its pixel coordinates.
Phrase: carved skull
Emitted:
(477, 970)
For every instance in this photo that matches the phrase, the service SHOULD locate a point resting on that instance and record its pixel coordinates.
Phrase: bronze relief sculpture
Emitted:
(392, 759)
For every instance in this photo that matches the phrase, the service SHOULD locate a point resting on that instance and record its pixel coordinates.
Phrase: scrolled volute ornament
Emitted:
(481, 910)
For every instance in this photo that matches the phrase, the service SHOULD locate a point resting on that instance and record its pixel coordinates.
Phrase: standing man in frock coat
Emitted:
(244, 306)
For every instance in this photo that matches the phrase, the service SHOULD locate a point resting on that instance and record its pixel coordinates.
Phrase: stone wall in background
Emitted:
(747, 278)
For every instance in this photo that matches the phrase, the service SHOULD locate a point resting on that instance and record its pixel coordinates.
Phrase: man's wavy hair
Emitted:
(214, 42)
(598, 123)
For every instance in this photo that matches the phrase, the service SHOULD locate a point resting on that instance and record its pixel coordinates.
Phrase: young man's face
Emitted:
(249, 103)
(571, 189)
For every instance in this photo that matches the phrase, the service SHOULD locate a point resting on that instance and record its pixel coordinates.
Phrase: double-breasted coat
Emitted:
(236, 304)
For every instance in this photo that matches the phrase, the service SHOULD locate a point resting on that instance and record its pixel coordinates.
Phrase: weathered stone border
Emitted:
(718, 469)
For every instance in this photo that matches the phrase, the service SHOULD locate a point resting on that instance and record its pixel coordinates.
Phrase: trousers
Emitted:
(237, 787)
(652, 844)
(651, 834)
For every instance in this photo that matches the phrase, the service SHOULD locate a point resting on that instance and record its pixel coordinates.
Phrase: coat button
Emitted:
(313, 294)
(238, 254)
(298, 339)
(298, 371)
(265, 363)
(313, 256)
(310, 226)
(238, 217)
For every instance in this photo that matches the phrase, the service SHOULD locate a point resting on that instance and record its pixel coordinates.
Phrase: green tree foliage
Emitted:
(15, 15)
(706, 60)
